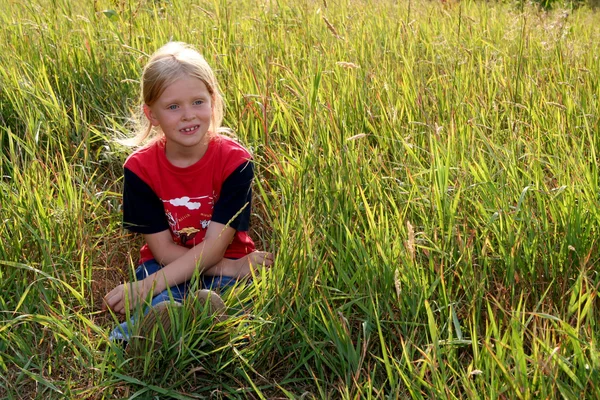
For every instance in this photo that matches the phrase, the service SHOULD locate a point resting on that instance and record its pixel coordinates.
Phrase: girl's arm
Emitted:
(201, 257)
(163, 248)
(165, 251)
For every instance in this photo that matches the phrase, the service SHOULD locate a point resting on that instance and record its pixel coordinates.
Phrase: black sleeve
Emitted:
(233, 206)
(143, 211)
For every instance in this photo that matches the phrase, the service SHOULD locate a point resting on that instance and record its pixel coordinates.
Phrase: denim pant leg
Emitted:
(177, 293)
(217, 282)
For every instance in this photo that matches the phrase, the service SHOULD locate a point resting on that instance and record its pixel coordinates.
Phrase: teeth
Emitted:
(189, 129)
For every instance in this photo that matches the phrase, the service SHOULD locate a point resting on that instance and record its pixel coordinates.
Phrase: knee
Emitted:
(160, 298)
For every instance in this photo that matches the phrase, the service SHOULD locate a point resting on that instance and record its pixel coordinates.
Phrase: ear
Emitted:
(150, 115)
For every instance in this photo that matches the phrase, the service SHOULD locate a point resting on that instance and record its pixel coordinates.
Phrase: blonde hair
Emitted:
(169, 63)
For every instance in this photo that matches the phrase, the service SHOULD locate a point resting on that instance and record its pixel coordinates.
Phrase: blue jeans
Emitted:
(178, 293)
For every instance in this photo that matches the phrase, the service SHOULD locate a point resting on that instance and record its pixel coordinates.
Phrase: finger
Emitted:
(119, 307)
(268, 259)
(105, 304)
(119, 300)
(267, 256)
(124, 306)
(114, 294)
(108, 302)
(114, 300)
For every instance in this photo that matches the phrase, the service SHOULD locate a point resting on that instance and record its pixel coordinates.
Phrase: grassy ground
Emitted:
(427, 177)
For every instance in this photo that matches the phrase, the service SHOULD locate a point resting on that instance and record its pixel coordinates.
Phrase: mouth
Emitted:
(190, 129)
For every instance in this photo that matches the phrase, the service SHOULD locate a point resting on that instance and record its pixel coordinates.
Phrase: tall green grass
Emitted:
(426, 175)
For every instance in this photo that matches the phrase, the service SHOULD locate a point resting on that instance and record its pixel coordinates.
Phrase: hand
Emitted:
(260, 258)
(134, 292)
(241, 267)
(253, 260)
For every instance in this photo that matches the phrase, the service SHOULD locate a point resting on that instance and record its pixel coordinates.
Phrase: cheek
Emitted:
(206, 112)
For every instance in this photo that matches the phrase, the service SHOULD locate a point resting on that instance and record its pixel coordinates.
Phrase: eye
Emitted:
(198, 102)
(173, 107)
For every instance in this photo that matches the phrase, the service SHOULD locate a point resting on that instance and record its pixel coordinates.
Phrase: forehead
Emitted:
(185, 87)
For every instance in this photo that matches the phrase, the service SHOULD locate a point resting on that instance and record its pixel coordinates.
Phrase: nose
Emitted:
(187, 114)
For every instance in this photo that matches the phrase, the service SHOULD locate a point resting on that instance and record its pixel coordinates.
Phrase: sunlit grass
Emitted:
(426, 175)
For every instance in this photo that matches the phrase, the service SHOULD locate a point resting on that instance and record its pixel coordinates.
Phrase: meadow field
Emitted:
(426, 175)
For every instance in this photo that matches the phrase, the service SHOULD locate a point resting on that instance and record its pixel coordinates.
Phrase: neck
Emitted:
(185, 157)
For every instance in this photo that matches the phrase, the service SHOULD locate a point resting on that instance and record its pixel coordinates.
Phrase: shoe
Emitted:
(160, 314)
(216, 306)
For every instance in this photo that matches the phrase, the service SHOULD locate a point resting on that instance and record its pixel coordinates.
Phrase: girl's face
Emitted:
(183, 112)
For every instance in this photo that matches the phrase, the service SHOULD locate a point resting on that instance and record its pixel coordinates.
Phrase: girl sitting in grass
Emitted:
(188, 191)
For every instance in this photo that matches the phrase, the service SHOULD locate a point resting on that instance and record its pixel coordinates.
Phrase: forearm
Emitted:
(182, 270)
(201, 257)
(225, 267)
(240, 267)
(170, 252)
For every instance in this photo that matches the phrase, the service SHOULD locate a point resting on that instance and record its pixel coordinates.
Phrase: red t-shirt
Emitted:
(158, 195)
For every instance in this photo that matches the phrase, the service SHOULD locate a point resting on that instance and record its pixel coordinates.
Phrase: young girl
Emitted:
(188, 191)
